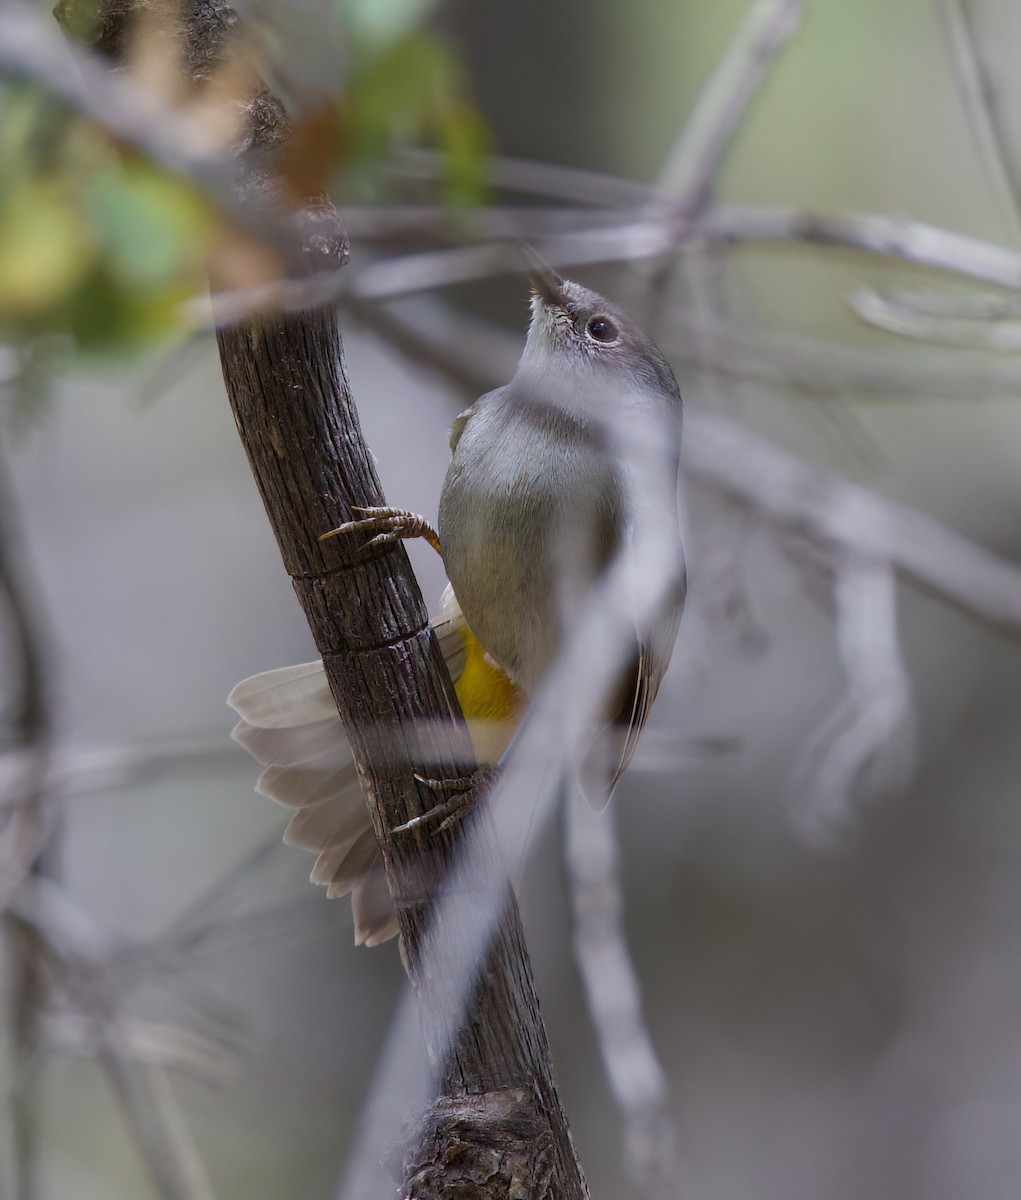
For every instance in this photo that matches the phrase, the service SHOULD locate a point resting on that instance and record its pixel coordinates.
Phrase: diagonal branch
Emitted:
(687, 176)
(834, 510)
(981, 105)
(632, 240)
(730, 224)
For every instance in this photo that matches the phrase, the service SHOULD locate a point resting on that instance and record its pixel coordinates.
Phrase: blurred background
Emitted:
(819, 854)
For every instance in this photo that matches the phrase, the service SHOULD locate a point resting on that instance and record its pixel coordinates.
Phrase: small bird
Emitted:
(552, 481)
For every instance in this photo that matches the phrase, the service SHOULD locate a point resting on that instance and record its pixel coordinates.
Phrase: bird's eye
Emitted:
(601, 329)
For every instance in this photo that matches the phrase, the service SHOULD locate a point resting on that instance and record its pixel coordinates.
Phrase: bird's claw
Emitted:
(467, 789)
(388, 525)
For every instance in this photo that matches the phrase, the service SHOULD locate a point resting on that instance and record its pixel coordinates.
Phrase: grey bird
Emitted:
(556, 480)
(554, 477)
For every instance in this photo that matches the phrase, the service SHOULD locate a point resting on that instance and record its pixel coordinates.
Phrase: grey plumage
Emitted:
(551, 478)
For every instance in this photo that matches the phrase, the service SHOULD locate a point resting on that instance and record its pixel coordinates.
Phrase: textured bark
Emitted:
(498, 1130)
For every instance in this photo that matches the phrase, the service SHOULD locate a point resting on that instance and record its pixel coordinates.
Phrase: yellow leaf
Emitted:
(45, 248)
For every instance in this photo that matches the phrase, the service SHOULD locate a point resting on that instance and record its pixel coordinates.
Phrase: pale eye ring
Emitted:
(602, 330)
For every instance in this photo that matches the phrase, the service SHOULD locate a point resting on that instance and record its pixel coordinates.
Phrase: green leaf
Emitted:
(466, 143)
(415, 91)
(152, 227)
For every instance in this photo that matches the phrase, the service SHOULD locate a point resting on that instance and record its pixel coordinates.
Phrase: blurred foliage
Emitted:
(98, 243)
(406, 85)
(94, 241)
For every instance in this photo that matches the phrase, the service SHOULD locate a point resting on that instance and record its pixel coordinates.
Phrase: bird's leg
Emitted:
(468, 791)
(387, 525)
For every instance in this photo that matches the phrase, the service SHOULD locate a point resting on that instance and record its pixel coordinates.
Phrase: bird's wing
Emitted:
(289, 723)
(462, 419)
(654, 656)
(614, 747)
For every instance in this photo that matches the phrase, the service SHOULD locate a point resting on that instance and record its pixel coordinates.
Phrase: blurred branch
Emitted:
(867, 745)
(574, 185)
(74, 951)
(689, 171)
(965, 305)
(77, 951)
(981, 105)
(29, 721)
(791, 491)
(28, 47)
(636, 1077)
(873, 233)
(972, 306)
(725, 224)
(149, 1043)
(152, 1113)
(893, 316)
(76, 773)
(26, 743)
(496, 222)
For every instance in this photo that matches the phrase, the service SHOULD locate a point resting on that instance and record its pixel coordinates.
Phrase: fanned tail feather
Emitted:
(290, 725)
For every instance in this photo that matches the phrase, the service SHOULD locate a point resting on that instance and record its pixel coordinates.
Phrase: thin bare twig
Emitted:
(26, 742)
(572, 184)
(688, 174)
(152, 1112)
(788, 490)
(867, 745)
(150, 1043)
(731, 224)
(613, 992)
(77, 949)
(688, 178)
(970, 305)
(981, 106)
(725, 224)
(886, 313)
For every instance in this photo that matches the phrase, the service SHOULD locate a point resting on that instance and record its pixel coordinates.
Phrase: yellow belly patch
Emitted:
(491, 702)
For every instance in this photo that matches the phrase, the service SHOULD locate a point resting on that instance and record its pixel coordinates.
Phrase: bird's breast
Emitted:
(529, 516)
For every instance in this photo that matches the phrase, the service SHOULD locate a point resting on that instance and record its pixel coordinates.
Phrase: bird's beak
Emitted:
(546, 283)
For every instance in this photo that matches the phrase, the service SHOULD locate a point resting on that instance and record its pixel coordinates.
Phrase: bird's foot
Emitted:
(467, 791)
(387, 525)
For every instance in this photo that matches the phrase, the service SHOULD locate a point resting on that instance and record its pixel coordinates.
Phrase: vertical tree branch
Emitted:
(27, 741)
(499, 1118)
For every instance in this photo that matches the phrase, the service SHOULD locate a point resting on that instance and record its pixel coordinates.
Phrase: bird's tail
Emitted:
(290, 724)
